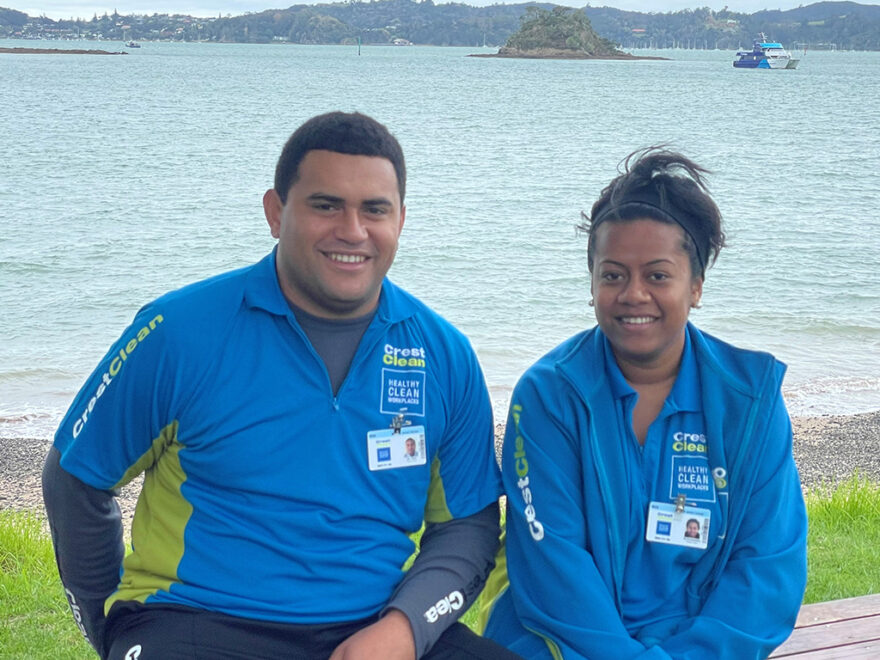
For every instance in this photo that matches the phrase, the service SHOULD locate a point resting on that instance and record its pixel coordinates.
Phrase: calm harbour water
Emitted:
(124, 177)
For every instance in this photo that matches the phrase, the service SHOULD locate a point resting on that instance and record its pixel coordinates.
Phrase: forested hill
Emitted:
(840, 25)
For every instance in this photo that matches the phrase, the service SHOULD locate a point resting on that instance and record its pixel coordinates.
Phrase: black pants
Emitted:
(152, 632)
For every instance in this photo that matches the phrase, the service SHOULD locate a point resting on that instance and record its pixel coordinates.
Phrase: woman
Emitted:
(625, 432)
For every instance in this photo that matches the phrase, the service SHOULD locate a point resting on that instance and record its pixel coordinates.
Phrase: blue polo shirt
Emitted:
(672, 461)
(262, 497)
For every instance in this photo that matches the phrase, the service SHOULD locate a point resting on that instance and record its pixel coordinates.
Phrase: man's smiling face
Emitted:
(338, 232)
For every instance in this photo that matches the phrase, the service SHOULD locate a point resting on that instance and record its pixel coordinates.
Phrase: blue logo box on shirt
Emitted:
(403, 390)
(691, 476)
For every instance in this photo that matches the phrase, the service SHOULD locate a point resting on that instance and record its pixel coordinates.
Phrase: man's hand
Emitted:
(389, 638)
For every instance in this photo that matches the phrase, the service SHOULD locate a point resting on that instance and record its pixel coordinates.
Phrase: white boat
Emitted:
(765, 55)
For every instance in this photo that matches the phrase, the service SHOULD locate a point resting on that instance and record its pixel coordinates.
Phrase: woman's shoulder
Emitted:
(743, 364)
(575, 356)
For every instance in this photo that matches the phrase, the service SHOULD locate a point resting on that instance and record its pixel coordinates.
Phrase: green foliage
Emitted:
(562, 28)
(12, 18)
(842, 25)
(36, 620)
(844, 541)
(843, 557)
(376, 22)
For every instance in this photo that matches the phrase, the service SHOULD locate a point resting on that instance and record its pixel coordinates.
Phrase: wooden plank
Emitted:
(835, 635)
(835, 610)
(862, 651)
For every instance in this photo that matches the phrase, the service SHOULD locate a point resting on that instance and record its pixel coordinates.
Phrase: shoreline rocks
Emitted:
(560, 54)
(58, 51)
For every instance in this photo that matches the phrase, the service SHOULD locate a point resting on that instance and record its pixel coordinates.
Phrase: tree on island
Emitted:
(559, 32)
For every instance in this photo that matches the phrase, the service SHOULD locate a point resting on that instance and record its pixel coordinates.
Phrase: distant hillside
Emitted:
(841, 25)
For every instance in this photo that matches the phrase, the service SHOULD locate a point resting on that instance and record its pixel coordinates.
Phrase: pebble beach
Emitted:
(828, 449)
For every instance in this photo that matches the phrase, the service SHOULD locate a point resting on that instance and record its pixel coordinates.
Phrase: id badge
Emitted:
(685, 526)
(388, 448)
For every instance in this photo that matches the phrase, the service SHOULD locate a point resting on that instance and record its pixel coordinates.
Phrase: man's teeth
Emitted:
(348, 258)
(637, 320)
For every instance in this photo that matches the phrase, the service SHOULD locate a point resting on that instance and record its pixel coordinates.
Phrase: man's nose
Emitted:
(352, 228)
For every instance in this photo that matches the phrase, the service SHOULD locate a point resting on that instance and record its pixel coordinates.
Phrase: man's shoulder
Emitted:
(198, 309)
(402, 306)
(212, 291)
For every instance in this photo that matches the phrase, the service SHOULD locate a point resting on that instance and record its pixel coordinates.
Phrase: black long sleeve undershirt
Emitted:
(454, 556)
(86, 529)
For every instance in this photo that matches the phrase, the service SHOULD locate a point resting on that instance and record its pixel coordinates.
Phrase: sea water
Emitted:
(122, 177)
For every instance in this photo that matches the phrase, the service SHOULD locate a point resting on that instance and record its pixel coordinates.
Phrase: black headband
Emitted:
(648, 197)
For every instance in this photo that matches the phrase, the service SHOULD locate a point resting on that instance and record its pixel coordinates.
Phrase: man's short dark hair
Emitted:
(342, 132)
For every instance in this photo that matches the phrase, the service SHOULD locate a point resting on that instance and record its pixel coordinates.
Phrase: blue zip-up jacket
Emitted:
(557, 593)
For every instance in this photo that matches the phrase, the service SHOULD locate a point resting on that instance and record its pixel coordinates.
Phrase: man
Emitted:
(410, 453)
(261, 405)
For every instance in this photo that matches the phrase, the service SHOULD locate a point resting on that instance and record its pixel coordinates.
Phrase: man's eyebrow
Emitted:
(324, 197)
(378, 201)
(334, 199)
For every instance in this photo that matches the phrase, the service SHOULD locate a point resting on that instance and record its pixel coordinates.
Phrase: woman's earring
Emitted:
(591, 302)
(697, 305)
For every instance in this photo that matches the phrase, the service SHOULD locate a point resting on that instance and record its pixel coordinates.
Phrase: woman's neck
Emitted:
(649, 374)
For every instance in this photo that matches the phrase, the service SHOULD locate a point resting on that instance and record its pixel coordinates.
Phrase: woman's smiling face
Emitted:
(643, 289)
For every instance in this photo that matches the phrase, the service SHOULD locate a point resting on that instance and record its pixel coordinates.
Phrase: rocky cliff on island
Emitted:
(560, 33)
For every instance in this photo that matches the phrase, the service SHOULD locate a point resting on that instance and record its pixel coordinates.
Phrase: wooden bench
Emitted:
(847, 628)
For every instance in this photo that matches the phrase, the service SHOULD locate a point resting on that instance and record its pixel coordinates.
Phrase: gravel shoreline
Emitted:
(827, 449)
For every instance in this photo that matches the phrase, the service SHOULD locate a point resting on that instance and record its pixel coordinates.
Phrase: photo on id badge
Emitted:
(396, 447)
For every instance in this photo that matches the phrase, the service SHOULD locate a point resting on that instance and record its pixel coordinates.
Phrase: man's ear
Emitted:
(273, 207)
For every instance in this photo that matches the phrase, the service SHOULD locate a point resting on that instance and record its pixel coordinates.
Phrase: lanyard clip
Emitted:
(399, 421)
(680, 501)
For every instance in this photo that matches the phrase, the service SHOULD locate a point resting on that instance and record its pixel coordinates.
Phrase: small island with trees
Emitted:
(562, 33)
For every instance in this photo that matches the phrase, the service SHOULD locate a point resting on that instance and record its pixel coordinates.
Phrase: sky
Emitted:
(56, 9)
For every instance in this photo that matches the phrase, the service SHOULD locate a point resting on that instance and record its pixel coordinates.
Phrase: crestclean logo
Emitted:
(77, 612)
(689, 442)
(116, 365)
(404, 357)
(521, 465)
(451, 603)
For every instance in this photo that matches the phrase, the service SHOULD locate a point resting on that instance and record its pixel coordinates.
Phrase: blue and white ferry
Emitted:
(765, 55)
